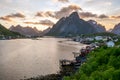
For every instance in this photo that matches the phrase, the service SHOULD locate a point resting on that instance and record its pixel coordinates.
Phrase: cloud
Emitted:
(92, 15)
(108, 3)
(8, 1)
(10, 16)
(5, 19)
(42, 22)
(97, 4)
(65, 11)
(89, 0)
(49, 14)
(87, 15)
(63, 1)
(115, 17)
(16, 15)
(45, 14)
(103, 16)
(40, 14)
(46, 22)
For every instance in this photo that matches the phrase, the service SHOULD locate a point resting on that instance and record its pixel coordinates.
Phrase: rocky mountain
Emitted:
(46, 31)
(97, 26)
(110, 30)
(116, 29)
(71, 25)
(27, 31)
(4, 31)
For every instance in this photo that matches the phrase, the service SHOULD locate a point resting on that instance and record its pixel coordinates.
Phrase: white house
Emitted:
(98, 38)
(110, 44)
(90, 39)
(116, 40)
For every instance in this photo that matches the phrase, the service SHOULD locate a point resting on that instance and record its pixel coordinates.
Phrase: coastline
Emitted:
(62, 72)
(70, 69)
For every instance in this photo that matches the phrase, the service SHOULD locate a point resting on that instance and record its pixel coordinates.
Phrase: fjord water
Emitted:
(25, 58)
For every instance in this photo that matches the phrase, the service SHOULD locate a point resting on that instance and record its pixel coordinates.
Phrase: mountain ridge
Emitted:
(116, 29)
(4, 31)
(72, 25)
(27, 31)
(96, 25)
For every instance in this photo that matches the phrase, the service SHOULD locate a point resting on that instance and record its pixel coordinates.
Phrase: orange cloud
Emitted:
(16, 15)
(103, 16)
(42, 22)
(92, 15)
(6, 19)
(45, 14)
(10, 16)
(40, 14)
(65, 11)
(87, 14)
(115, 17)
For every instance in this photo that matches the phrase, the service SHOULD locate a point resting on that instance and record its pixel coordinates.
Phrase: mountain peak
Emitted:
(18, 26)
(116, 29)
(71, 25)
(118, 24)
(74, 14)
(97, 26)
(92, 21)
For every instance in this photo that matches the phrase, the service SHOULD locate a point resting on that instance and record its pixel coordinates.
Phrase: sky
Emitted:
(45, 13)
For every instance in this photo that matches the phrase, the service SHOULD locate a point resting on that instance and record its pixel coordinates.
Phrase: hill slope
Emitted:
(6, 32)
(102, 64)
(116, 29)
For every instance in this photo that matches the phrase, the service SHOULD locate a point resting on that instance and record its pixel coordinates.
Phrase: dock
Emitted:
(80, 58)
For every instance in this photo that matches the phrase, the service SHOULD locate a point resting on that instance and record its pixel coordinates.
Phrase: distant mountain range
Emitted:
(27, 31)
(46, 31)
(74, 25)
(67, 26)
(116, 29)
(4, 31)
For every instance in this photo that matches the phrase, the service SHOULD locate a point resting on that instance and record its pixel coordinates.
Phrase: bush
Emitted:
(103, 64)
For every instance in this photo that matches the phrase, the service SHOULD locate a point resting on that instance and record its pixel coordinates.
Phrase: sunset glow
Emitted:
(44, 13)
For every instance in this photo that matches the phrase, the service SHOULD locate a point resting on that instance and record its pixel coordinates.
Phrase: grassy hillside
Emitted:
(102, 64)
(6, 32)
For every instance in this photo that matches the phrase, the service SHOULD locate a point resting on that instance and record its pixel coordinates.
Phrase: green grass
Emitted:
(102, 64)
(6, 32)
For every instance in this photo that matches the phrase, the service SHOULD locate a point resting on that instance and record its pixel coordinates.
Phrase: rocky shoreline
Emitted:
(67, 67)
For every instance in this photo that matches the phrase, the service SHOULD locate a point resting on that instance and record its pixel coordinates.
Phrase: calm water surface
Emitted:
(21, 58)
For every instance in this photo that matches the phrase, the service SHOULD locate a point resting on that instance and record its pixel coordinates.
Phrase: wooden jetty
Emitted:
(80, 58)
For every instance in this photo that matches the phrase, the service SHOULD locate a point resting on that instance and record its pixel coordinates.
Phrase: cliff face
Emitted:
(116, 29)
(71, 25)
(97, 26)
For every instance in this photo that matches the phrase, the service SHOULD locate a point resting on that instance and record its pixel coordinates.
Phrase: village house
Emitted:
(110, 44)
(98, 38)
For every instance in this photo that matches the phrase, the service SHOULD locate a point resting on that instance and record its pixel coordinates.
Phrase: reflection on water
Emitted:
(27, 58)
